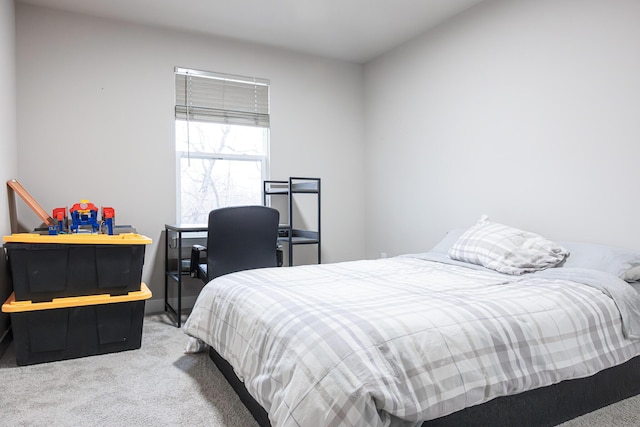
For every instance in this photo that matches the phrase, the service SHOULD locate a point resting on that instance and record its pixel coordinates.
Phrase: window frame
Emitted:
(180, 155)
(248, 104)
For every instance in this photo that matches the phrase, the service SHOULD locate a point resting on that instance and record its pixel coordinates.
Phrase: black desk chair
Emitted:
(238, 238)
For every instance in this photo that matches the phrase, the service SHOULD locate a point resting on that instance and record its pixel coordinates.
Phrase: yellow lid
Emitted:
(79, 238)
(13, 306)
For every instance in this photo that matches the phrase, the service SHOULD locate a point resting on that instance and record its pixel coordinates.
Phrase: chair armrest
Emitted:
(196, 251)
(279, 257)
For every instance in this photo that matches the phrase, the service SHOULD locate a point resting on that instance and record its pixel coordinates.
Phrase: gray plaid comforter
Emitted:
(401, 340)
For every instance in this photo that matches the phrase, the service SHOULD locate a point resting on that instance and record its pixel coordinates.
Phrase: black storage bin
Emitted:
(68, 328)
(47, 267)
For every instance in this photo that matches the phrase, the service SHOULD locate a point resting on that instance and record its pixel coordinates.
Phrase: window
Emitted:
(222, 142)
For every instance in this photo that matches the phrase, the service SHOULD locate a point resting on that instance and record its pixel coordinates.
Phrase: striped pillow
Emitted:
(506, 249)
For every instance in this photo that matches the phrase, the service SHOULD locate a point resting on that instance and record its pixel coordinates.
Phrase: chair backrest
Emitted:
(241, 238)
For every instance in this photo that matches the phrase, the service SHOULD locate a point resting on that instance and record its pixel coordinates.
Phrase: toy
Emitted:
(60, 221)
(108, 218)
(83, 214)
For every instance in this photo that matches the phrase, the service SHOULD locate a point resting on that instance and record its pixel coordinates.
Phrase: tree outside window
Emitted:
(219, 165)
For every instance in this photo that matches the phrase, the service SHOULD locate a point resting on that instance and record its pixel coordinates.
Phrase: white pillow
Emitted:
(506, 249)
(624, 263)
(448, 240)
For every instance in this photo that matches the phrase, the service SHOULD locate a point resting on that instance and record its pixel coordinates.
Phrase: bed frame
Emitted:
(545, 406)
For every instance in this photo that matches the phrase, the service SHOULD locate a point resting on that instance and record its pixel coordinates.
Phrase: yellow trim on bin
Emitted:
(13, 306)
(79, 238)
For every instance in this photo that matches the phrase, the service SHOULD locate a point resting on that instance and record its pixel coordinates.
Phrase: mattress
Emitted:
(402, 340)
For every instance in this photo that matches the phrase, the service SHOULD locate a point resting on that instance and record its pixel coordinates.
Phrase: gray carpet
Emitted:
(622, 414)
(156, 385)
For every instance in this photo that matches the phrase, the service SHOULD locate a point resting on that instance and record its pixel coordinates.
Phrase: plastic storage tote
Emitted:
(44, 267)
(73, 327)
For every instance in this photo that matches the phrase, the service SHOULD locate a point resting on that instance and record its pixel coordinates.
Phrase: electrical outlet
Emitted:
(383, 254)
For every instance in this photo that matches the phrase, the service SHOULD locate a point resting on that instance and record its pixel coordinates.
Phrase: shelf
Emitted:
(288, 234)
(173, 275)
(301, 237)
(310, 185)
(298, 240)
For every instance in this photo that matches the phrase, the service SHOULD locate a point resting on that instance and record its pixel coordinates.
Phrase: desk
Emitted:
(176, 274)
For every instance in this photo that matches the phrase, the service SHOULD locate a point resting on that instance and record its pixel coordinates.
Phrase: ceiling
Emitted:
(351, 30)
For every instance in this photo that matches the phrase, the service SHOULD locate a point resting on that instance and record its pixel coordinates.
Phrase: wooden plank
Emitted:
(13, 186)
(13, 214)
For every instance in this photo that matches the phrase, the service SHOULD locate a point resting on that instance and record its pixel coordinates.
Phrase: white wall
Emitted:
(526, 111)
(8, 142)
(95, 121)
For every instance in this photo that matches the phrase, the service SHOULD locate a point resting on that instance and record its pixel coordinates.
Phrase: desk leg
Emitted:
(166, 268)
(179, 314)
(178, 278)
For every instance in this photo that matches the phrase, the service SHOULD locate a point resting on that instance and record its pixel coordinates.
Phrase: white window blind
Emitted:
(221, 98)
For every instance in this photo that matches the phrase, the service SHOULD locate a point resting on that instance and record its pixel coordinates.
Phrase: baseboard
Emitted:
(153, 306)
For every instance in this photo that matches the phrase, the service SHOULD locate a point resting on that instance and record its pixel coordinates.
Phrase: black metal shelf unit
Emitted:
(289, 234)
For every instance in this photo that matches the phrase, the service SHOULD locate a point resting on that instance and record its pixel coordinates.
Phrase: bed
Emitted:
(437, 338)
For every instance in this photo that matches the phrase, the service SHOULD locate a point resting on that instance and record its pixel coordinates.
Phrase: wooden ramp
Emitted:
(13, 188)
